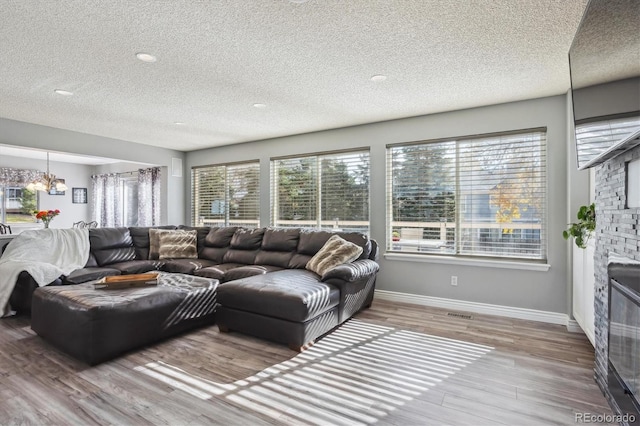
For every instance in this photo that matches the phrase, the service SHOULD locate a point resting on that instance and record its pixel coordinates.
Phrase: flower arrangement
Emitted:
(46, 216)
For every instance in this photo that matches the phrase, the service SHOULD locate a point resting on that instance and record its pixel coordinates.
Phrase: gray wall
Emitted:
(579, 191)
(547, 291)
(49, 138)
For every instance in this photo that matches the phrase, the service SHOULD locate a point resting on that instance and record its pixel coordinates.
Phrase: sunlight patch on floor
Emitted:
(356, 375)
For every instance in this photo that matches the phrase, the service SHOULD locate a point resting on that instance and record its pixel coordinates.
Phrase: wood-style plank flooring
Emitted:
(395, 363)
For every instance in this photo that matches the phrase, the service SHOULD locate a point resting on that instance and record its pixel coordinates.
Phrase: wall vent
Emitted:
(463, 316)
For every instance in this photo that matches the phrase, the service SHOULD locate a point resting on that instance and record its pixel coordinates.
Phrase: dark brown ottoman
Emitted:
(290, 306)
(95, 325)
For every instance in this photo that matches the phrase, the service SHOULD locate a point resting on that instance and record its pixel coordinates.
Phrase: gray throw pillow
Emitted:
(335, 252)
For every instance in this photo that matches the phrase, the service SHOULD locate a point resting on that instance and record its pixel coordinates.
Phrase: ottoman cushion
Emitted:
(293, 295)
(83, 275)
(187, 266)
(95, 324)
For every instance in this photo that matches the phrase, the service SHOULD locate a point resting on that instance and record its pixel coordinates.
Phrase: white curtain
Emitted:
(106, 200)
(149, 197)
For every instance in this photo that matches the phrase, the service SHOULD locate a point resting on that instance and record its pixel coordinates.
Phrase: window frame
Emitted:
(392, 250)
(321, 223)
(227, 221)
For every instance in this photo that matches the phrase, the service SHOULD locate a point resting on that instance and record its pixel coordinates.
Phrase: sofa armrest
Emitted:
(351, 272)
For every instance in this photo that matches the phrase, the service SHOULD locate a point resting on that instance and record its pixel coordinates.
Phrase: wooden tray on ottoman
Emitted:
(125, 281)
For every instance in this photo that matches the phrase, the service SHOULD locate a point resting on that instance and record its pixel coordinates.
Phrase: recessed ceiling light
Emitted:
(146, 57)
(63, 92)
(178, 123)
(260, 106)
(379, 77)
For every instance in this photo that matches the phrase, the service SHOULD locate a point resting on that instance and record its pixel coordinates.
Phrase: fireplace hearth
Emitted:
(624, 336)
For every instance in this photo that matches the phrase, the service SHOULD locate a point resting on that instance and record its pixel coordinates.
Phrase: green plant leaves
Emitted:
(582, 230)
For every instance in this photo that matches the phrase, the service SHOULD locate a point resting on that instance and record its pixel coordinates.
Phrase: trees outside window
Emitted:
(326, 191)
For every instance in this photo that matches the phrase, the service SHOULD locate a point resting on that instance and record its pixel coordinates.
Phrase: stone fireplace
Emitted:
(617, 235)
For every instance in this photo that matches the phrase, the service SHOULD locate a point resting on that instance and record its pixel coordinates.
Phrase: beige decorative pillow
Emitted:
(154, 242)
(178, 244)
(335, 252)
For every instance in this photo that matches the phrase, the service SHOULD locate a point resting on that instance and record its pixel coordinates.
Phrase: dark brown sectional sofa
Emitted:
(264, 288)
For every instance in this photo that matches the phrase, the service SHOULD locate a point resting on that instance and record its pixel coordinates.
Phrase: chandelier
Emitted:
(47, 182)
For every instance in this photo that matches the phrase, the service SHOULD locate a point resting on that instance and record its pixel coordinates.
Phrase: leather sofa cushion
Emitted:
(215, 254)
(186, 266)
(116, 255)
(247, 239)
(246, 257)
(91, 262)
(275, 258)
(299, 261)
(220, 237)
(83, 275)
(140, 237)
(248, 271)
(111, 245)
(201, 234)
(292, 295)
(278, 246)
(216, 271)
(137, 266)
(281, 239)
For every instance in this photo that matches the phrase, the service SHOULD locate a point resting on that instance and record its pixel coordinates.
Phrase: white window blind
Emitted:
(480, 196)
(327, 191)
(226, 195)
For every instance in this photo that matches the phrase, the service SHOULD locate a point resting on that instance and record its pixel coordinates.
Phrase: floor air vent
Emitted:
(463, 316)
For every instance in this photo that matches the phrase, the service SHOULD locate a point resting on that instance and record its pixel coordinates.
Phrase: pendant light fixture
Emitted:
(47, 182)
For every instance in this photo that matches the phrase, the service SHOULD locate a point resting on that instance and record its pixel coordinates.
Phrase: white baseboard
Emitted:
(573, 326)
(482, 308)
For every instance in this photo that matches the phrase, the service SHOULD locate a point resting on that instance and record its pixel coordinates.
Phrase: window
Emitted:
(328, 191)
(129, 188)
(127, 199)
(476, 196)
(17, 203)
(226, 195)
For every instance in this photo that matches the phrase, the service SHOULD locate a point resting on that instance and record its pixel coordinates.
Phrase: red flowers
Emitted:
(46, 216)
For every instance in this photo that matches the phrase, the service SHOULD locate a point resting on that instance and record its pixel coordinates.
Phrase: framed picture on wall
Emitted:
(54, 191)
(79, 195)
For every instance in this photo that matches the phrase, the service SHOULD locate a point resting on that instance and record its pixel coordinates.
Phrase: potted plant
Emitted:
(582, 230)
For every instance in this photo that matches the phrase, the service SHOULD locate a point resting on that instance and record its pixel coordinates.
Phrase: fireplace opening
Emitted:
(624, 336)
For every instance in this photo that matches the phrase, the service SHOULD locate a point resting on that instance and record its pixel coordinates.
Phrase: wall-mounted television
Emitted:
(604, 59)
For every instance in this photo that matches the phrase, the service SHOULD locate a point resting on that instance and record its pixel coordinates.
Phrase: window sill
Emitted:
(483, 263)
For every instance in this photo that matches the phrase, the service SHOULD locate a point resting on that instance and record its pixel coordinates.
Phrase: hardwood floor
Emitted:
(395, 363)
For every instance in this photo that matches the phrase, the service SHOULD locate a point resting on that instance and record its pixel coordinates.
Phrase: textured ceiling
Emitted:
(309, 62)
(602, 52)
